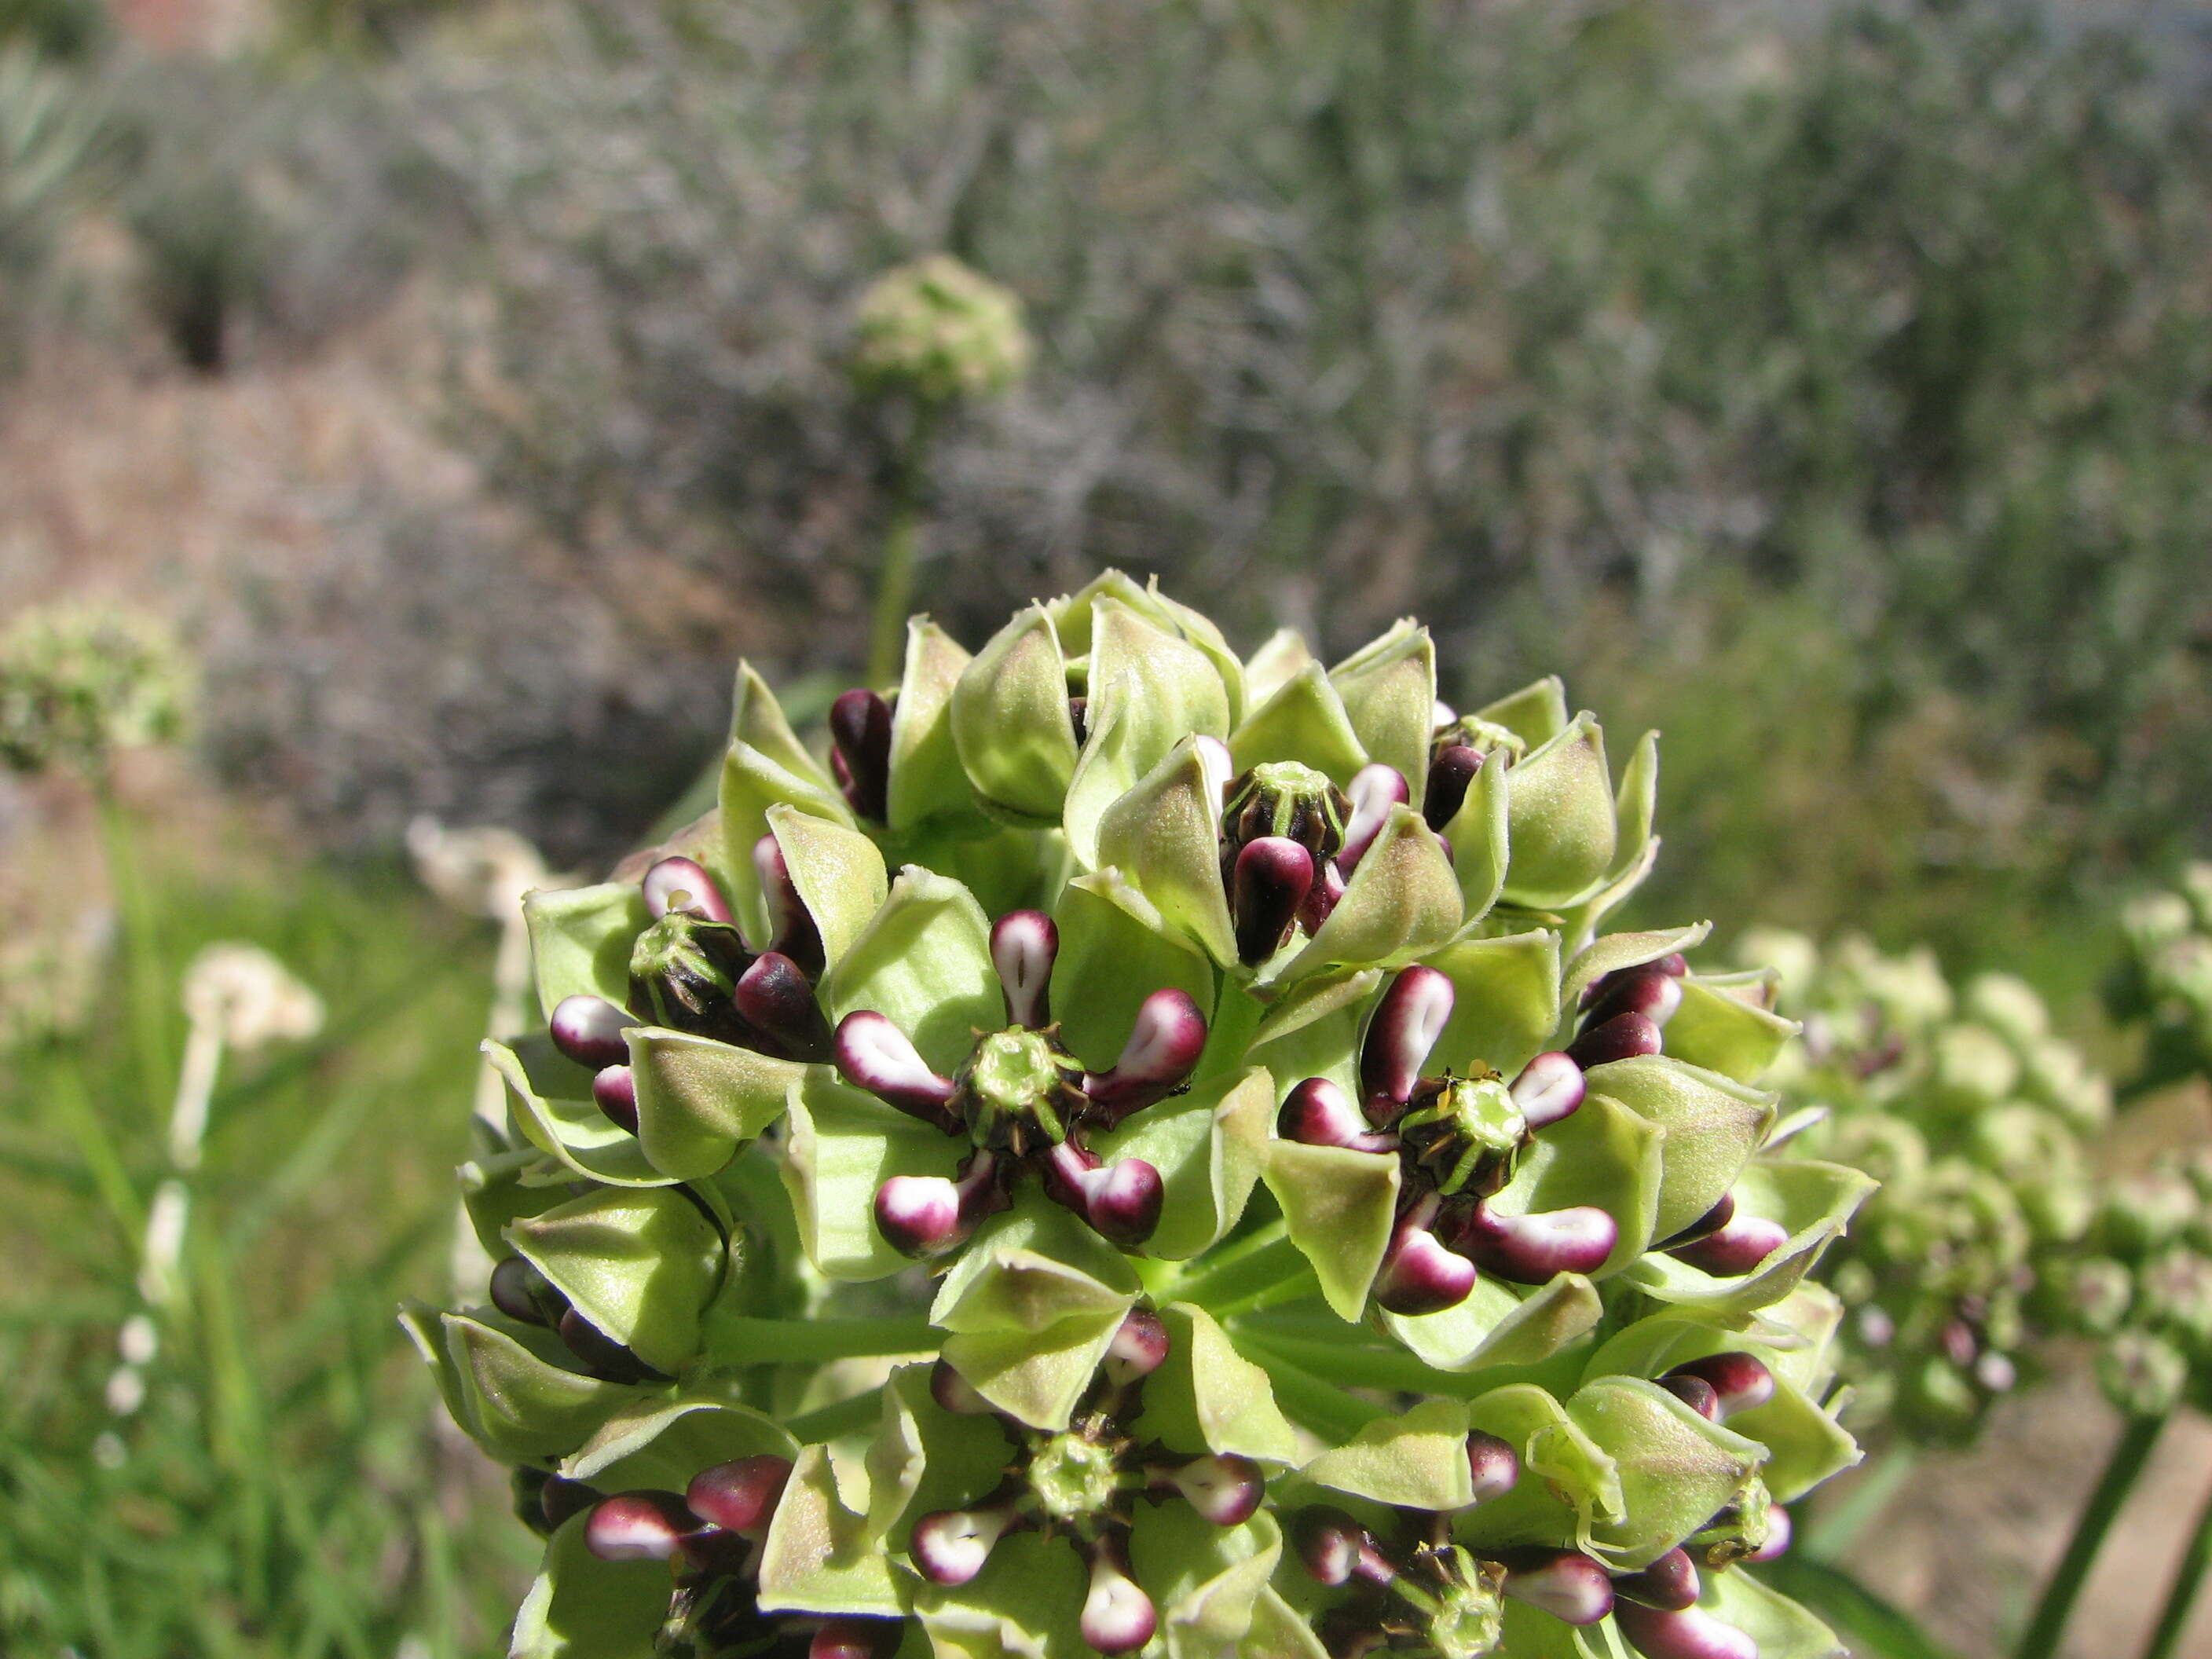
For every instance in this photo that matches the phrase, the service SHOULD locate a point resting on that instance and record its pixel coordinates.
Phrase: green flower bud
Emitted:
(939, 332)
(78, 681)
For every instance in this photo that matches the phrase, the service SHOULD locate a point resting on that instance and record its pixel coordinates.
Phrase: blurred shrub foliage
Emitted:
(1877, 358)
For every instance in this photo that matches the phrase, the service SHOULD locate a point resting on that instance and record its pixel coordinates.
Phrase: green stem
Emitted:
(902, 539)
(2041, 1639)
(1256, 1269)
(1322, 1407)
(145, 970)
(828, 1422)
(1352, 1364)
(2166, 1638)
(1830, 1533)
(741, 1341)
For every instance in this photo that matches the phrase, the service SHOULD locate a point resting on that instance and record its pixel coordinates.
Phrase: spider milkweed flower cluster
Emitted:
(1136, 1149)
(1979, 1122)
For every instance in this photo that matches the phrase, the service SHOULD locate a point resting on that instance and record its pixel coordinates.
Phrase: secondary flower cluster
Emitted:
(1133, 1149)
(1978, 1122)
(2165, 980)
(2142, 1284)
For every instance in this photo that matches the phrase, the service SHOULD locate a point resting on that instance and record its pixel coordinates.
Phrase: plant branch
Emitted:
(744, 1341)
(2166, 1638)
(2041, 1639)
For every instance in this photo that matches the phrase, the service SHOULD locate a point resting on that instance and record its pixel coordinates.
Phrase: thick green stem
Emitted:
(1352, 1364)
(2041, 1639)
(741, 1341)
(146, 971)
(846, 1417)
(902, 540)
(2166, 1638)
(1259, 1263)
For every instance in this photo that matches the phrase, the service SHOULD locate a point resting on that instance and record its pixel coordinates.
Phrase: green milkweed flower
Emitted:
(939, 330)
(80, 680)
(1136, 1150)
(1976, 1119)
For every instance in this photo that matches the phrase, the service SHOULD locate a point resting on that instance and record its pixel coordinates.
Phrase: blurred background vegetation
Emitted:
(1827, 385)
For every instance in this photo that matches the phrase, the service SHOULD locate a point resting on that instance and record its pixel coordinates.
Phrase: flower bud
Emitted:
(1735, 1249)
(1687, 1633)
(1528, 1249)
(1164, 1043)
(1376, 788)
(1407, 1021)
(1317, 1113)
(860, 729)
(1224, 1490)
(1740, 1380)
(1449, 774)
(559, 1499)
(1566, 1584)
(614, 1090)
(1117, 1616)
(856, 1638)
(1650, 991)
(874, 1054)
(1268, 884)
(638, 1526)
(1023, 946)
(1549, 1087)
(522, 1293)
(951, 1546)
(1669, 1583)
(1492, 1466)
(682, 885)
(1419, 1275)
(588, 1031)
(1699, 1395)
(741, 1495)
(1623, 1036)
(1139, 1348)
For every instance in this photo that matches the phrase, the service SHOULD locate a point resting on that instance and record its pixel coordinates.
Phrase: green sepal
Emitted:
(818, 1556)
(659, 1444)
(1568, 1485)
(1209, 1145)
(1389, 690)
(1579, 922)
(757, 719)
(925, 1458)
(924, 962)
(642, 1264)
(1403, 902)
(928, 783)
(1778, 1627)
(752, 782)
(1713, 1125)
(496, 1189)
(1603, 1155)
(1148, 691)
(581, 1608)
(841, 1144)
(1115, 950)
(1207, 1397)
(1302, 719)
(1279, 660)
(1499, 1324)
(1535, 714)
(1562, 821)
(1010, 723)
(1676, 1468)
(1339, 1207)
(1164, 835)
(1482, 835)
(1204, 1579)
(1024, 1605)
(1723, 1033)
(838, 873)
(1532, 1634)
(1506, 1001)
(1313, 1029)
(1611, 952)
(551, 1098)
(521, 1405)
(1279, 1631)
(1814, 1201)
(1415, 1459)
(699, 1101)
(580, 940)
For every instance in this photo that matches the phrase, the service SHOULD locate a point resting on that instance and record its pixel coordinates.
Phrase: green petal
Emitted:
(751, 783)
(1037, 1375)
(1499, 1325)
(1313, 1029)
(583, 1607)
(498, 1189)
(1415, 1459)
(1579, 922)
(1814, 1201)
(699, 1100)
(1402, 903)
(819, 1557)
(1010, 723)
(1209, 1398)
(838, 871)
(642, 1264)
(1199, 629)
(1638, 802)
(844, 1144)
(926, 781)
(1389, 692)
(1148, 691)
(1339, 1207)
(1676, 1468)
(551, 1097)
(1115, 950)
(1506, 1004)
(1614, 952)
(1272, 666)
(1713, 1125)
(1561, 817)
(1209, 1145)
(1204, 1579)
(1604, 1155)
(1568, 1484)
(756, 720)
(1724, 1034)
(923, 961)
(523, 1406)
(1481, 834)
(656, 1445)
(580, 940)
(925, 1458)
(1024, 1605)
(1777, 1626)
(1302, 719)
(1166, 836)
(1535, 714)
(1529, 1632)
(1279, 1631)
(422, 1324)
